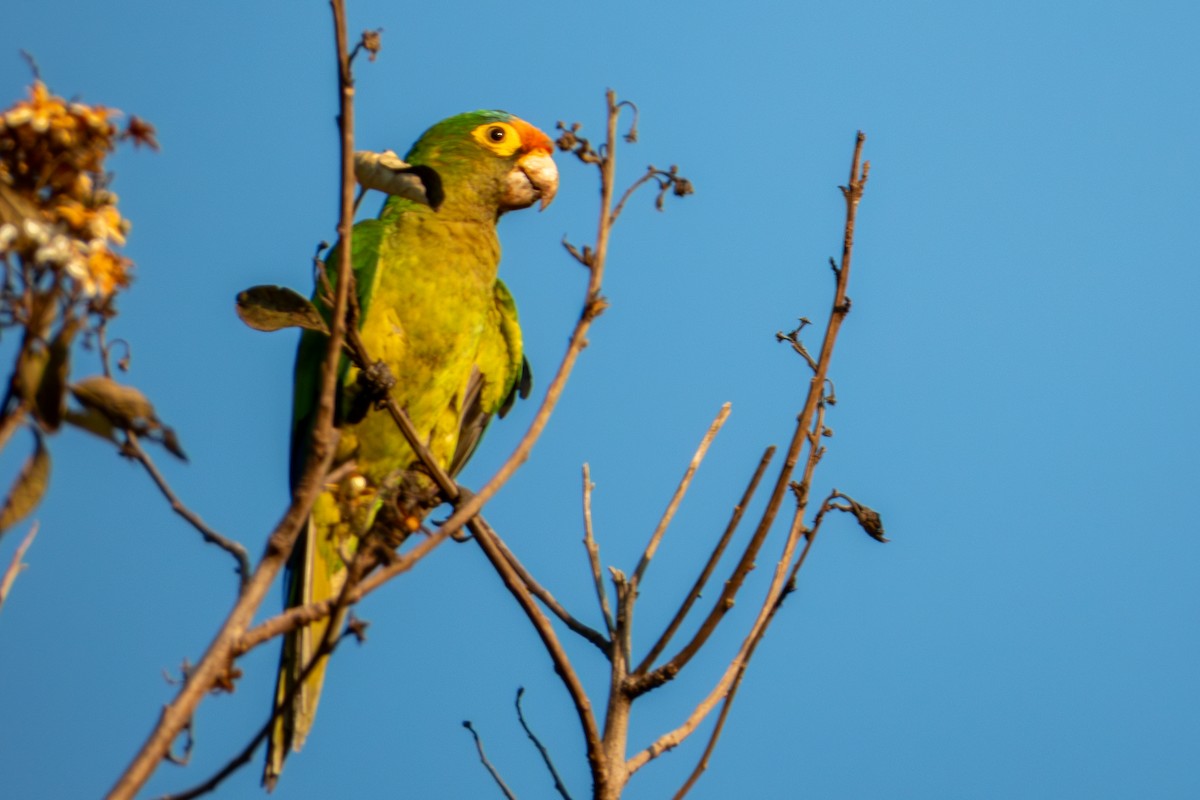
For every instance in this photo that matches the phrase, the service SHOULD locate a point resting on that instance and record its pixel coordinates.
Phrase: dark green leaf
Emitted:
(272, 308)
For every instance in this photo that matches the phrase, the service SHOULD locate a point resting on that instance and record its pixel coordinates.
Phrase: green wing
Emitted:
(501, 372)
(315, 570)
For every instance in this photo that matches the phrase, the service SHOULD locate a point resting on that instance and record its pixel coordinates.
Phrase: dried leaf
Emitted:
(51, 399)
(171, 442)
(28, 488)
(124, 406)
(273, 308)
(387, 172)
(93, 422)
(31, 366)
(868, 518)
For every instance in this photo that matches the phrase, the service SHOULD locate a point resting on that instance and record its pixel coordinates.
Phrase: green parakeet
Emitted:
(433, 310)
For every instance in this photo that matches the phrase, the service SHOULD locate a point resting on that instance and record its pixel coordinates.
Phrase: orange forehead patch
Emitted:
(531, 137)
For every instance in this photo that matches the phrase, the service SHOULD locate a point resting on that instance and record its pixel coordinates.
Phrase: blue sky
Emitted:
(1017, 386)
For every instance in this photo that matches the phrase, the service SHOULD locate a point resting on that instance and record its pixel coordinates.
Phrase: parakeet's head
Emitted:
(488, 162)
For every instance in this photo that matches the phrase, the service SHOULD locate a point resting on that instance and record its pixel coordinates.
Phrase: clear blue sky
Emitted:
(1017, 382)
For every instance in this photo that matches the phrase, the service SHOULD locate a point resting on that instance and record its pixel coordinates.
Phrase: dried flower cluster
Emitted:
(61, 271)
(56, 216)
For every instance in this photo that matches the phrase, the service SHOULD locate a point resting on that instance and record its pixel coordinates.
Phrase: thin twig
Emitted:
(324, 649)
(483, 758)
(677, 498)
(219, 655)
(801, 436)
(133, 448)
(783, 577)
(719, 692)
(593, 551)
(15, 567)
(545, 754)
(709, 567)
(639, 183)
(540, 592)
(718, 726)
(488, 542)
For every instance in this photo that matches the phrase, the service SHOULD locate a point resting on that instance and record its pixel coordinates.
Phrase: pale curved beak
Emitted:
(542, 172)
(534, 179)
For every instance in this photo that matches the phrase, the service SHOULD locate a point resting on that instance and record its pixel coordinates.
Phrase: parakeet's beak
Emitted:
(534, 178)
(542, 172)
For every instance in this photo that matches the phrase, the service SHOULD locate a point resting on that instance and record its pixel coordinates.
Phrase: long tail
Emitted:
(315, 573)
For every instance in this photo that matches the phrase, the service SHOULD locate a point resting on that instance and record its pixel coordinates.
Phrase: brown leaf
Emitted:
(273, 308)
(93, 422)
(171, 442)
(28, 488)
(31, 366)
(388, 173)
(868, 518)
(52, 390)
(124, 406)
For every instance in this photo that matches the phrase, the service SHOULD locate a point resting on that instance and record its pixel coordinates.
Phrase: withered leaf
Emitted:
(28, 488)
(52, 390)
(31, 366)
(171, 442)
(868, 518)
(124, 406)
(93, 422)
(388, 173)
(273, 308)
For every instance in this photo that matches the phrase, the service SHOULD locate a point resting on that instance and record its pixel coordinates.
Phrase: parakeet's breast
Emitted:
(427, 318)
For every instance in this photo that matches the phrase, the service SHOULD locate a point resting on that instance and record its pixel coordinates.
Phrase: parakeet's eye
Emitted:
(499, 137)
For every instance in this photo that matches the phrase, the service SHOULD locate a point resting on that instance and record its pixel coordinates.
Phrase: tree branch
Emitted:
(133, 449)
(593, 551)
(215, 663)
(841, 306)
(559, 786)
(15, 567)
(677, 498)
(484, 759)
(709, 567)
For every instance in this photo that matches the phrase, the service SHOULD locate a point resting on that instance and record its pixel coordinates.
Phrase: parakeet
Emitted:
(433, 310)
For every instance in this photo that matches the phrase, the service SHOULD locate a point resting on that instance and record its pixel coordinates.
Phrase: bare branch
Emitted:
(702, 764)
(15, 567)
(539, 591)
(484, 759)
(217, 658)
(593, 551)
(558, 783)
(737, 665)
(677, 498)
(713, 559)
(323, 650)
(133, 448)
(562, 664)
(801, 436)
